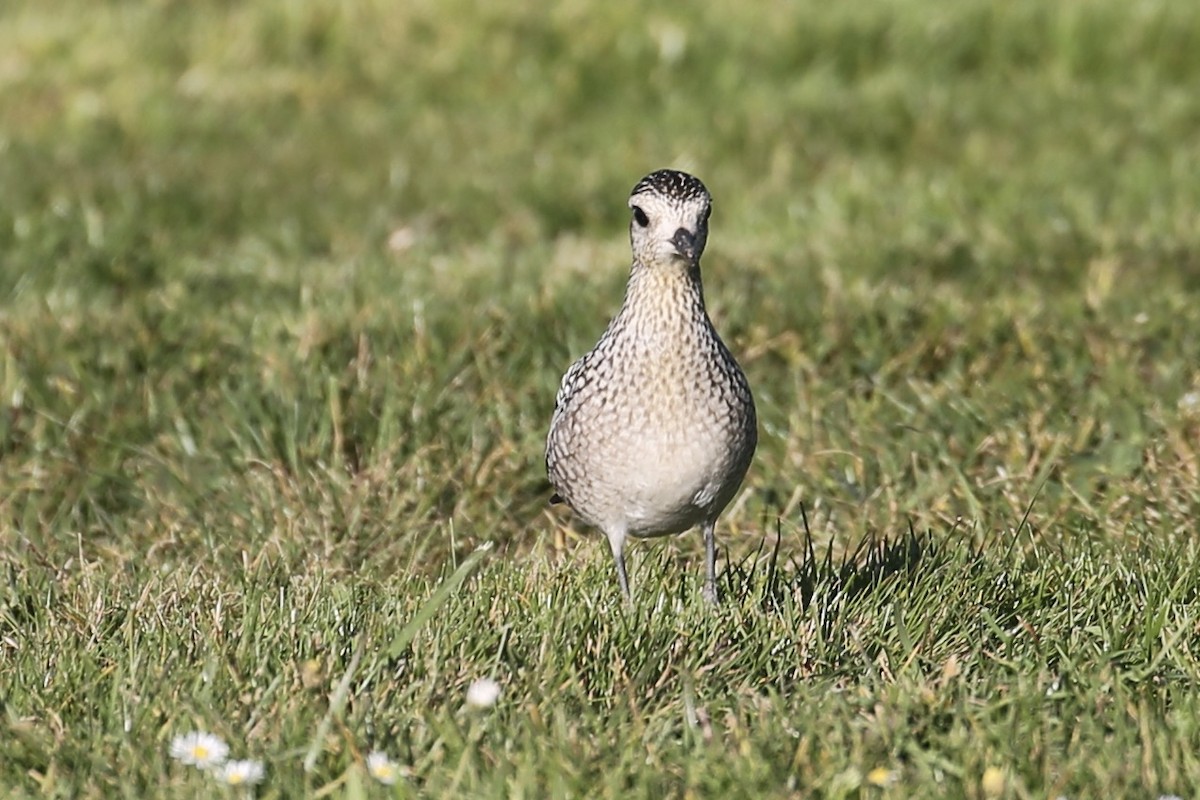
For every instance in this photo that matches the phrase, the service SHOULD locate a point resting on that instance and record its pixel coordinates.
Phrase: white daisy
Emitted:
(483, 693)
(240, 773)
(199, 749)
(382, 768)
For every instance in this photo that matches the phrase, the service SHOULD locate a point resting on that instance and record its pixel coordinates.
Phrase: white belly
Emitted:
(655, 488)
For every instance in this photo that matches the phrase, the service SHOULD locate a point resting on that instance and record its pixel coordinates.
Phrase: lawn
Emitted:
(286, 290)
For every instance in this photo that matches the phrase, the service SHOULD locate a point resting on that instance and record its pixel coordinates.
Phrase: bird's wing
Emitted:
(574, 378)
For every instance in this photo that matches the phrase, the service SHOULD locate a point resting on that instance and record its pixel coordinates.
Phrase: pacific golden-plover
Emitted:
(654, 429)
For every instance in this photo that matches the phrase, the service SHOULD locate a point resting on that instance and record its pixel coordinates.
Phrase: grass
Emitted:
(286, 292)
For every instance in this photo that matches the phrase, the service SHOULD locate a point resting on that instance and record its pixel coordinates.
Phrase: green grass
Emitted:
(245, 441)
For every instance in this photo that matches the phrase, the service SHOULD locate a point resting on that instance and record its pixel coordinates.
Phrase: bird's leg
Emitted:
(710, 561)
(617, 542)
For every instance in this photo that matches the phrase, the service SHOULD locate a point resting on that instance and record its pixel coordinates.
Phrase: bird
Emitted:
(654, 428)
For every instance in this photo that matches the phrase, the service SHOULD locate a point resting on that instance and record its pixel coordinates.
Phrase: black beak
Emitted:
(685, 243)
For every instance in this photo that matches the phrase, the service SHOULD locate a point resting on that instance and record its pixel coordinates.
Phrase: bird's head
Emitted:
(670, 219)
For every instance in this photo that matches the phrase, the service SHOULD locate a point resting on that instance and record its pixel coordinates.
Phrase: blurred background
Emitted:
(332, 257)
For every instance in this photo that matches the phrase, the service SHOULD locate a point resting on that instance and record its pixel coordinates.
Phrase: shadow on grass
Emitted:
(874, 560)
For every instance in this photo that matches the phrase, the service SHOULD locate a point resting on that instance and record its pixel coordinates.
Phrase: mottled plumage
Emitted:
(654, 429)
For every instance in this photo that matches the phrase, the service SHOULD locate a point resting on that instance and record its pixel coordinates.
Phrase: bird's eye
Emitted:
(640, 216)
(707, 213)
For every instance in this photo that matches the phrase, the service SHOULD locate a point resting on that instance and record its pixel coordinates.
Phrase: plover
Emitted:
(654, 428)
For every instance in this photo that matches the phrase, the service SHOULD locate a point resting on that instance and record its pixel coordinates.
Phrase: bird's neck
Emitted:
(665, 298)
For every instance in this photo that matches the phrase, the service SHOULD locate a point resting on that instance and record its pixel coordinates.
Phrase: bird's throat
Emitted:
(663, 301)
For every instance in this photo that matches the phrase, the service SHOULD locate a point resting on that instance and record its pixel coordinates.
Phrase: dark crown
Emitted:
(671, 183)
